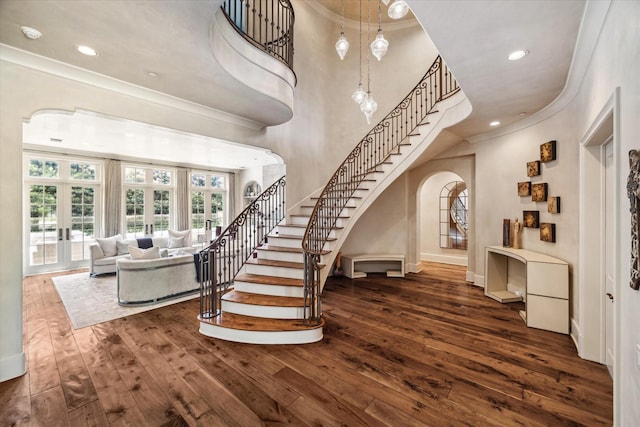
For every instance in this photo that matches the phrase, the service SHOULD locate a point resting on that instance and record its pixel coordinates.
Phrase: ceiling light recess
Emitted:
(86, 50)
(517, 54)
(31, 33)
(494, 123)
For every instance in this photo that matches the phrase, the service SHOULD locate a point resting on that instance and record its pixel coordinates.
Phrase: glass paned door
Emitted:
(61, 226)
(134, 208)
(83, 221)
(148, 212)
(44, 230)
(161, 211)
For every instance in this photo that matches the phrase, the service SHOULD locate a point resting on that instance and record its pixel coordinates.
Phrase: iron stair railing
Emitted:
(371, 152)
(267, 24)
(220, 262)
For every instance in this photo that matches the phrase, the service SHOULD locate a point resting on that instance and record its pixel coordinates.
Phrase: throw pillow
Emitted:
(109, 245)
(122, 246)
(185, 235)
(151, 253)
(175, 242)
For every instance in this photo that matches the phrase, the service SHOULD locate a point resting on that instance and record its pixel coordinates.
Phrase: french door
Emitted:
(61, 225)
(147, 211)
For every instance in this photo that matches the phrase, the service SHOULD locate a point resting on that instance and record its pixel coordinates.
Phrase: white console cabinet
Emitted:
(540, 280)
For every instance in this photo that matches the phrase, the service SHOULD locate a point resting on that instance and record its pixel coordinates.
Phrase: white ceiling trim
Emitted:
(593, 18)
(71, 72)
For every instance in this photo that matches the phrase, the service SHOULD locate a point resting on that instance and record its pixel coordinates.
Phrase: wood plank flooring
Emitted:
(426, 350)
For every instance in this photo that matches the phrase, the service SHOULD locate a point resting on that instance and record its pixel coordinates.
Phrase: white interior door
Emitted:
(610, 302)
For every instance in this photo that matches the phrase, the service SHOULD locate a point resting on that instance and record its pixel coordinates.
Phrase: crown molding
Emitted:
(72, 72)
(593, 18)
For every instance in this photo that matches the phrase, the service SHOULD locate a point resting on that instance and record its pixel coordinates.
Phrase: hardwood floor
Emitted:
(427, 350)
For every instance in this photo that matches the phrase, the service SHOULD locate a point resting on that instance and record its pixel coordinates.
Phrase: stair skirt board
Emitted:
(268, 312)
(262, 337)
(275, 290)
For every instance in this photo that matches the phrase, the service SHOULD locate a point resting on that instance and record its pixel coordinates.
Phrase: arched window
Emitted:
(454, 219)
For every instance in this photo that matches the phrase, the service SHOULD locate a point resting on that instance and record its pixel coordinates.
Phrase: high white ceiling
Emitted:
(171, 38)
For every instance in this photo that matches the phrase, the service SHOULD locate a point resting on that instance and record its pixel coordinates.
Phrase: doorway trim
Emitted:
(589, 332)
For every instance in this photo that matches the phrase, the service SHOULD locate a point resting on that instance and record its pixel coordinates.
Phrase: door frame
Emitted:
(589, 332)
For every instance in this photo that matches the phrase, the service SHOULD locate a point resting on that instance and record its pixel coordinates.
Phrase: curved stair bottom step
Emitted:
(292, 331)
(269, 312)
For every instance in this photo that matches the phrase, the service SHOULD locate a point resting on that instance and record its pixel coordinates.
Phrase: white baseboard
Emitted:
(478, 280)
(412, 268)
(445, 259)
(13, 366)
(469, 277)
(575, 335)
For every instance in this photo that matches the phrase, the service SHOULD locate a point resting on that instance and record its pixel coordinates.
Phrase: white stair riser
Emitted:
(285, 242)
(261, 337)
(281, 256)
(303, 220)
(276, 290)
(298, 231)
(268, 312)
(270, 270)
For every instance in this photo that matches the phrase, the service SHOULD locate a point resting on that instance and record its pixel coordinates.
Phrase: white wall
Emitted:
(429, 221)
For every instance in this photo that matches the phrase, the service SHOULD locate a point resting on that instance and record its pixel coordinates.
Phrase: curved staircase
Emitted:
(274, 296)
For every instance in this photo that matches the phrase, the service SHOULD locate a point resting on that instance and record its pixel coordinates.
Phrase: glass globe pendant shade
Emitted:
(398, 9)
(359, 95)
(342, 46)
(368, 107)
(379, 46)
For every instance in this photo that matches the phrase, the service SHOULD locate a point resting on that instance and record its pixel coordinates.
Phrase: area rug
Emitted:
(90, 300)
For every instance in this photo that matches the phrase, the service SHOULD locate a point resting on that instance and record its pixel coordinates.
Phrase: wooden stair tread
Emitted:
(268, 280)
(275, 263)
(260, 299)
(250, 323)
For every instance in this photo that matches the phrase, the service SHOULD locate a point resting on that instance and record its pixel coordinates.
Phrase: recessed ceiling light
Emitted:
(524, 113)
(152, 74)
(31, 33)
(518, 54)
(86, 50)
(494, 123)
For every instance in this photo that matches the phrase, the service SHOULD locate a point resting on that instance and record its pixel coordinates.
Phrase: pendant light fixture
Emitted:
(398, 9)
(380, 44)
(359, 95)
(369, 105)
(342, 45)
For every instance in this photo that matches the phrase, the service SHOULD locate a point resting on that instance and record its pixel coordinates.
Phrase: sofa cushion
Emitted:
(122, 246)
(109, 260)
(109, 245)
(137, 253)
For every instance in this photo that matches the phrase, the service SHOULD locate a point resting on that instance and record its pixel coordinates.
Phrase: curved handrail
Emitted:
(372, 151)
(221, 261)
(267, 24)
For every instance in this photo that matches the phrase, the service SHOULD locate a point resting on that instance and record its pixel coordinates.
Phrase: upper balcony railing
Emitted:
(268, 24)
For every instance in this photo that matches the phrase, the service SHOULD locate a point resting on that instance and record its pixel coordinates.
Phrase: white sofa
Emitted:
(147, 281)
(101, 264)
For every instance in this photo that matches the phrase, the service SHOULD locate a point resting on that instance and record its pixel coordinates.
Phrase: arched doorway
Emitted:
(443, 222)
